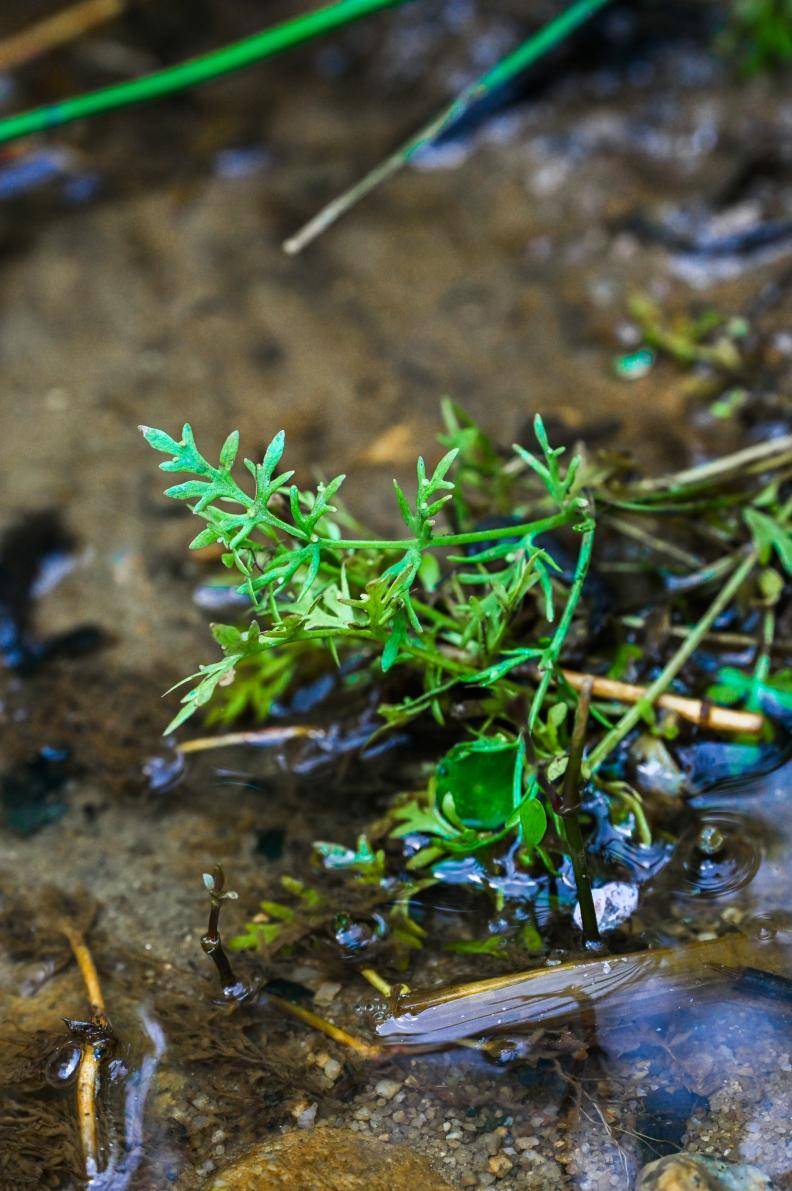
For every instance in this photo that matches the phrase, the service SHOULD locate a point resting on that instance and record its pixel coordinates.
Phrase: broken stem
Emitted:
(706, 715)
(376, 981)
(260, 738)
(719, 469)
(54, 31)
(366, 1050)
(86, 966)
(92, 1050)
(503, 72)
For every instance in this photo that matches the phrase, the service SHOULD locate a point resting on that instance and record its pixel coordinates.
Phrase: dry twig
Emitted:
(94, 1037)
(58, 30)
(706, 715)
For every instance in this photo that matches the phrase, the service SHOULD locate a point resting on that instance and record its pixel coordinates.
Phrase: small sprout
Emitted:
(211, 943)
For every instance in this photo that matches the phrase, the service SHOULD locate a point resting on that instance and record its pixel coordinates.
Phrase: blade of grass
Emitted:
(538, 44)
(210, 66)
(569, 810)
(560, 635)
(672, 667)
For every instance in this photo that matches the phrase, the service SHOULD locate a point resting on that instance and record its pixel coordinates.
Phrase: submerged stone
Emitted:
(694, 1172)
(327, 1159)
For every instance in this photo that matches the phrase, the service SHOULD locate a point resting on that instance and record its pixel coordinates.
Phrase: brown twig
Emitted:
(58, 30)
(259, 737)
(94, 1036)
(706, 715)
(366, 1050)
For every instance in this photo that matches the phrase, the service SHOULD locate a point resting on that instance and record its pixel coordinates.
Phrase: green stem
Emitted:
(673, 666)
(632, 800)
(569, 811)
(762, 666)
(503, 72)
(550, 659)
(531, 528)
(210, 66)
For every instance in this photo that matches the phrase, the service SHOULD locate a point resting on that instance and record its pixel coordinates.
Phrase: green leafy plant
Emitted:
(307, 583)
(759, 34)
(469, 618)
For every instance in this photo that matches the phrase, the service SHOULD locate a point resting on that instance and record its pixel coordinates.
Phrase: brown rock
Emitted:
(694, 1172)
(329, 1160)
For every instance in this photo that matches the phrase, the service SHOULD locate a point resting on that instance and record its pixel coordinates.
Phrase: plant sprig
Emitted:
(306, 581)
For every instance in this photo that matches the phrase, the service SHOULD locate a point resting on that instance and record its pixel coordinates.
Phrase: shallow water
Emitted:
(499, 273)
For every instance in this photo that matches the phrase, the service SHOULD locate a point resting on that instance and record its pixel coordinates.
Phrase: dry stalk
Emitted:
(706, 715)
(92, 1048)
(58, 30)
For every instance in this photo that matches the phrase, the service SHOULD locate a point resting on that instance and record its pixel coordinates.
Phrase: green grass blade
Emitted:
(535, 47)
(210, 66)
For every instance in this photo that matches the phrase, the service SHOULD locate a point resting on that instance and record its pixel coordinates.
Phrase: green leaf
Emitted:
(494, 945)
(479, 777)
(533, 822)
(394, 643)
(273, 454)
(207, 537)
(159, 440)
(769, 535)
(228, 451)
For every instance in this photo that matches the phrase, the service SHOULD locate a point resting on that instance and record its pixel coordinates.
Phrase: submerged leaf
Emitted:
(479, 776)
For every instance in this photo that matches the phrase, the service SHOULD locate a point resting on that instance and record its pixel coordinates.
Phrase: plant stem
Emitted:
(724, 640)
(92, 1050)
(673, 666)
(706, 715)
(762, 664)
(570, 804)
(453, 539)
(550, 658)
(534, 47)
(366, 1050)
(655, 543)
(718, 469)
(229, 58)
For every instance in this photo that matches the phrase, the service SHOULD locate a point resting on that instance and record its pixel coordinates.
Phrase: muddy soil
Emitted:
(144, 283)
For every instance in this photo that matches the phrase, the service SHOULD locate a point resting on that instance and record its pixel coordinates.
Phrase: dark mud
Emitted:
(144, 282)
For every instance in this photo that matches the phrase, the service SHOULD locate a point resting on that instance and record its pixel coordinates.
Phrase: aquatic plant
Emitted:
(759, 34)
(482, 615)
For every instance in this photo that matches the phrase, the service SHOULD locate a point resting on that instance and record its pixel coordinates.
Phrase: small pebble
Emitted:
(387, 1088)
